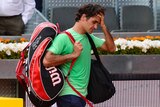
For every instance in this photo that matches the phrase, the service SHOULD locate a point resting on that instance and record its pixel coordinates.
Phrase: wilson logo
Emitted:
(36, 42)
(55, 77)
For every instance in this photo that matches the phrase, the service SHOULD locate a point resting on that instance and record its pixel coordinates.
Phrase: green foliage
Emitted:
(133, 51)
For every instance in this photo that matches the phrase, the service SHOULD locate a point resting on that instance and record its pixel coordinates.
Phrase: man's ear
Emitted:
(83, 18)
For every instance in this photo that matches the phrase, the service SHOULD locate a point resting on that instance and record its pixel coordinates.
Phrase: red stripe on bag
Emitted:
(35, 66)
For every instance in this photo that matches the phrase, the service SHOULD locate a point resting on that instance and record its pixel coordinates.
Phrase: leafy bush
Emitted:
(146, 45)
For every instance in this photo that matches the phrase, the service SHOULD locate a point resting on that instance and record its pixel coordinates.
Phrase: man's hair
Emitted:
(89, 10)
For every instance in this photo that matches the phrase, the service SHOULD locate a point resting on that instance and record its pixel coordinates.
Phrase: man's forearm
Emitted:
(55, 60)
(108, 39)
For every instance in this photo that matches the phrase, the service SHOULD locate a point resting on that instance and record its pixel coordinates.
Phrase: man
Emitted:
(14, 14)
(62, 51)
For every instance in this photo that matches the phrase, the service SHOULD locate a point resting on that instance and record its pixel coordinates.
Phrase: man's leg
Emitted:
(2, 26)
(15, 25)
(70, 101)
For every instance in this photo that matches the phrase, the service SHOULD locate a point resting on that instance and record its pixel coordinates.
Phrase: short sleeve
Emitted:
(98, 41)
(58, 44)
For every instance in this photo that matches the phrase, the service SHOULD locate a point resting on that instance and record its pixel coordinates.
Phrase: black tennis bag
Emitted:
(42, 84)
(100, 87)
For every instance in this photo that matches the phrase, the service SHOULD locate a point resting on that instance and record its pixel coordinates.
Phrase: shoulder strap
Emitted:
(83, 97)
(93, 47)
(74, 60)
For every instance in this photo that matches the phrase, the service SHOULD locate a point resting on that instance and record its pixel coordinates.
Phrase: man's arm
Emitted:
(29, 8)
(50, 59)
(109, 42)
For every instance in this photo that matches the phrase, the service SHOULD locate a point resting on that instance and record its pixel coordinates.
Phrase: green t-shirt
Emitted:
(79, 75)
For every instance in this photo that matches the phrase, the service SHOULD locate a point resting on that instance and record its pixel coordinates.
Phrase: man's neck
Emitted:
(78, 28)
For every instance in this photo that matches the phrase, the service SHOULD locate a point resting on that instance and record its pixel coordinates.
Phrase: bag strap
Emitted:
(74, 60)
(22, 78)
(94, 48)
(83, 97)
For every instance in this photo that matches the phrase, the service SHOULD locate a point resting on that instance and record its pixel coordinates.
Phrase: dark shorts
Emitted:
(70, 101)
(12, 25)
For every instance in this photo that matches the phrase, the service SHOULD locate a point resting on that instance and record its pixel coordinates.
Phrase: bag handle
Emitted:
(72, 63)
(94, 48)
